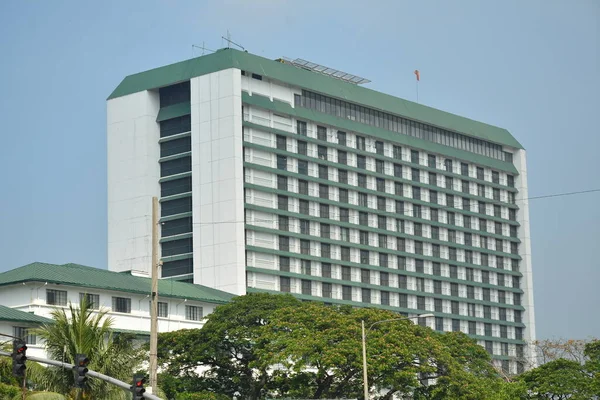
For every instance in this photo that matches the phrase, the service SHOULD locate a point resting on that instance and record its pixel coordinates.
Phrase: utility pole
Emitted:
(154, 308)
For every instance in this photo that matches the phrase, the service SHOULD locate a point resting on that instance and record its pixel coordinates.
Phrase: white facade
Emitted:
(218, 181)
(133, 174)
(31, 297)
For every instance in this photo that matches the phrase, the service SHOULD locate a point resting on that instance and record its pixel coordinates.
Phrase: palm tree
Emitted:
(82, 330)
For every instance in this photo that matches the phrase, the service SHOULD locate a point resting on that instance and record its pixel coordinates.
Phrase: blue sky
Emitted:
(531, 67)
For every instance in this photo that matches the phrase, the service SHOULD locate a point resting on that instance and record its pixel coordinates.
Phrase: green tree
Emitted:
(225, 347)
(86, 331)
(559, 379)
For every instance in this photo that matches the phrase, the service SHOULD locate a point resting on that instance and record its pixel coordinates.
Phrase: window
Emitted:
(193, 313)
(381, 222)
(364, 257)
(454, 289)
(342, 157)
(510, 180)
(384, 279)
(346, 273)
(365, 276)
(93, 300)
(282, 182)
(495, 177)
(325, 231)
(464, 169)
(301, 128)
(325, 250)
(163, 309)
(437, 270)
(415, 174)
(401, 244)
(487, 329)
(402, 282)
(304, 227)
(284, 223)
(449, 200)
(322, 152)
(362, 180)
(417, 211)
(381, 203)
(439, 323)
(306, 287)
(303, 167)
(416, 193)
(326, 290)
(281, 142)
(380, 185)
(363, 200)
(434, 214)
(360, 143)
(361, 162)
(418, 247)
(321, 133)
(480, 173)
(419, 266)
(448, 165)
(432, 179)
(284, 264)
(56, 297)
(303, 187)
(455, 325)
(345, 253)
(346, 293)
(398, 170)
(379, 166)
(282, 162)
(414, 156)
(326, 270)
(397, 152)
(480, 190)
(465, 186)
(305, 247)
(284, 243)
(121, 304)
(467, 221)
(25, 334)
(470, 292)
(438, 305)
(420, 303)
(401, 263)
(437, 287)
(454, 272)
(341, 137)
(451, 218)
(403, 300)
(496, 194)
(324, 191)
(385, 298)
(323, 172)
(284, 284)
(431, 161)
(303, 207)
(379, 147)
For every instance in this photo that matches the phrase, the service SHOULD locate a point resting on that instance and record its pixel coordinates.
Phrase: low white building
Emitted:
(29, 294)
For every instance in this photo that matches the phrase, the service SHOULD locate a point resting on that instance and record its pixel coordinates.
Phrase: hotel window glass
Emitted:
(485, 277)
(366, 295)
(282, 182)
(324, 210)
(381, 203)
(451, 218)
(363, 218)
(431, 161)
(465, 186)
(379, 166)
(487, 329)
(93, 300)
(437, 287)
(343, 176)
(416, 193)
(284, 264)
(432, 179)
(364, 257)
(303, 207)
(439, 324)
(321, 133)
(361, 162)
(306, 287)
(437, 269)
(502, 313)
(495, 177)
(346, 293)
(397, 152)
(401, 244)
(284, 284)
(121, 304)
(467, 221)
(481, 205)
(383, 260)
(381, 222)
(345, 234)
(56, 297)
(384, 279)
(326, 290)
(364, 237)
(325, 250)
(385, 298)
(448, 165)
(362, 181)
(380, 184)
(346, 273)
(512, 214)
(345, 252)
(401, 263)
(304, 227)
(360, 143)
(303, 187)
(438, 305)
(470, 292)
(305, 247)
(325, 231)
(455, 325)
(341, 136)
(284, 223)
(343, 195)
(464, 169)
(434, 214)
(414, 156)
(452, 253)
(282, 202)
(322, 152)
(497, 211)
(379, 147)
(486, 294)
(480, 173)
(281, 142)
(454, 289)
(383, 243)
(398, 189)
(418, 247)
(415, 175)
(419, 267)
(420, 303)
(25, 334)
(365, 276)
(472, 328)
(453, 272)
(324, 191)
(417, 211)
(301, 128)
(480, 190)
(326, 270)
(303, 167)
(402, 282)
(302, 148)
(323, 172)
(342, 157)
(398, 170)
(284, 243)
(344, 215)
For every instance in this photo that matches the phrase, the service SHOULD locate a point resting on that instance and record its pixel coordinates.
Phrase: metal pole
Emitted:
(154, 309)
(94, 374)
(364, 357)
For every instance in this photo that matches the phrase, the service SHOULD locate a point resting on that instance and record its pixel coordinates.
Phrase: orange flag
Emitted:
(418, 74)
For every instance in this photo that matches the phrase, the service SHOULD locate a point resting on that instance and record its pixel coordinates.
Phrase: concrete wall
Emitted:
(218, 181)
(133, 174)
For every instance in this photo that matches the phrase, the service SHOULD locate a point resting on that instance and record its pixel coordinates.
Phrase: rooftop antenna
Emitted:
(230, 42)
(201, 48)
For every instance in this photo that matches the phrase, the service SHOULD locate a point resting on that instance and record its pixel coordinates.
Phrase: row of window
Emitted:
(327, 270)
(365, 115)
(381, 166)
(391, 187)
(443, 235)
(406, 301)
(119, 304)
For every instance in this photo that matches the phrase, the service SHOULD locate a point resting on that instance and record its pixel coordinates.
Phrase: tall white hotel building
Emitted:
(286, 176)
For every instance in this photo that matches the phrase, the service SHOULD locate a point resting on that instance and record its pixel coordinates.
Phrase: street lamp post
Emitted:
(364, 345)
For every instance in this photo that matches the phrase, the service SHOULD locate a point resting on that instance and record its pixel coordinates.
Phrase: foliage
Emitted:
(86, 331)
(41, 396)
(552, 349)
(8, 391)
(201, 396)
(559, 379)
(273, 345)
(225, 347)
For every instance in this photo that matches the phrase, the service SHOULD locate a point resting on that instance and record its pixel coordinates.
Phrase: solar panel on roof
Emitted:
(334, 73)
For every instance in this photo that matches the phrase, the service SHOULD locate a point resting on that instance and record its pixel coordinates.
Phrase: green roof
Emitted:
(13, 315)
(230, 58)
(81, 275)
